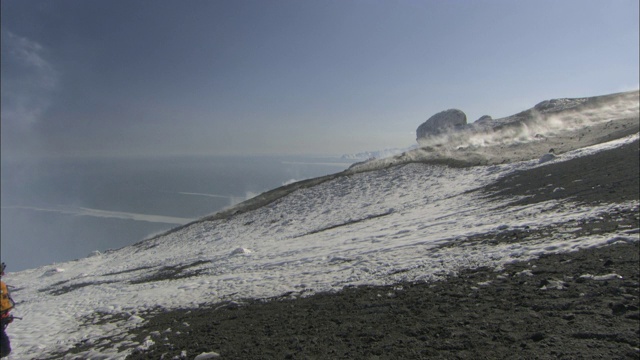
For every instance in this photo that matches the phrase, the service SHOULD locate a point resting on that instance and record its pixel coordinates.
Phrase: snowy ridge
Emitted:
(375, 227)
(367, 155)
(559, 124)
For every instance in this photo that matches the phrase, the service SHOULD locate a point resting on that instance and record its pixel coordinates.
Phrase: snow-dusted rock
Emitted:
(241, 251)
(554, 284)
(546, 157)
(52, 272)
(441, 122)
(485, 119)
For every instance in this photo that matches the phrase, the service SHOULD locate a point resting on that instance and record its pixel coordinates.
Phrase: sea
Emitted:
(57, 210)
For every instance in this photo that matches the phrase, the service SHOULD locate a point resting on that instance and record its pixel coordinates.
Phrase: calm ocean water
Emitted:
(62, 210)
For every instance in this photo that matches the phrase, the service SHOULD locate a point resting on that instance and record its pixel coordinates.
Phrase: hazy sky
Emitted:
(156, 77)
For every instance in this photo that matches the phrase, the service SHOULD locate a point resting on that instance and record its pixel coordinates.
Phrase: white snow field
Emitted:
(372, 227)
(376, 227)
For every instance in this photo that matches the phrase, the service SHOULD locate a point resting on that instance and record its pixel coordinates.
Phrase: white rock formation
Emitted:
(443, 121)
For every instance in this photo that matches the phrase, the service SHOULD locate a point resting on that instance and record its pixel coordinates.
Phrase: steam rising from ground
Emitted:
(235, 200)
(547, 119)
(560, 125)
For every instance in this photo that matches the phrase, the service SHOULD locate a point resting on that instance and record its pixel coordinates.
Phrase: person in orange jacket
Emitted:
(6, 304)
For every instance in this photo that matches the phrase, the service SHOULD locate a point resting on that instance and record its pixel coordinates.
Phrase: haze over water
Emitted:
(59, 210)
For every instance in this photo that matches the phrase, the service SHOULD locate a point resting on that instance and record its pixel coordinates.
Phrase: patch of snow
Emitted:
(205, 356)
(52, 272)
(554, 285)
(146, 344)
(524, 273)
(601, 277)
(135, 319)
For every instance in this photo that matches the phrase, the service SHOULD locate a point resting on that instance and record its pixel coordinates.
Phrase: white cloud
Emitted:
(28, 80)
(31, 54)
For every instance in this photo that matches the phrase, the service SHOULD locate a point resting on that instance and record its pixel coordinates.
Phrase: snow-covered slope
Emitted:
(381, 226)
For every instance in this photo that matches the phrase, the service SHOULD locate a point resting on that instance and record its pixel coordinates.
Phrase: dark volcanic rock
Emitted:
(479, 314)
(605, 177)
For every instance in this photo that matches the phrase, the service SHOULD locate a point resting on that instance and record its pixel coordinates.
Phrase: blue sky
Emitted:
(151, 78)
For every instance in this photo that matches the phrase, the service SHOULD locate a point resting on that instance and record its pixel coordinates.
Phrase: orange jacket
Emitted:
(6, 303)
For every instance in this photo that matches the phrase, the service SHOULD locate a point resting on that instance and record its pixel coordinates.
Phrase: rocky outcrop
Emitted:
(452, 119)
(485, 119)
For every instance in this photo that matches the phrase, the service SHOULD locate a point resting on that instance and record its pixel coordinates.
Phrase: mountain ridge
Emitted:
(425, 156)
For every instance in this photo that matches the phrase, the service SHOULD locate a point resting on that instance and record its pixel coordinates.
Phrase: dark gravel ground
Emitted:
(547, 308)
